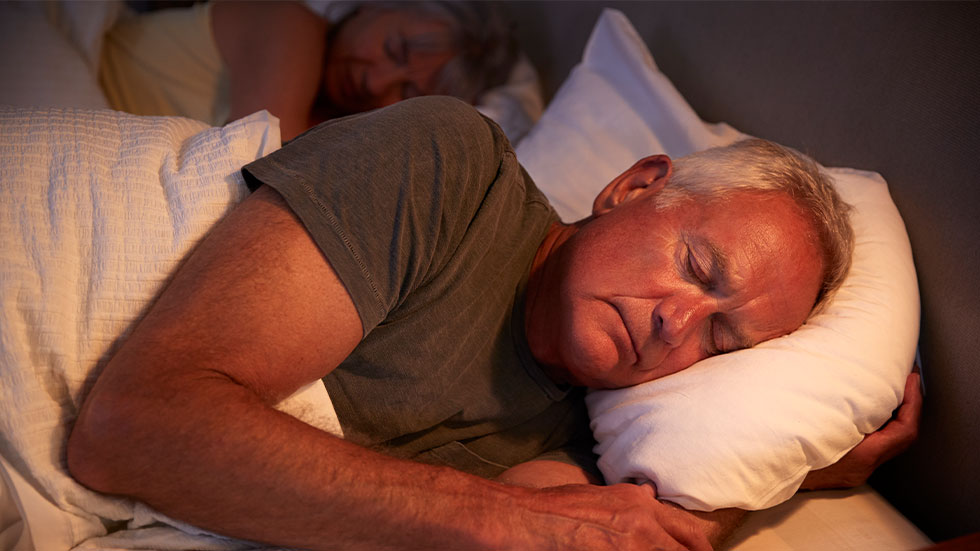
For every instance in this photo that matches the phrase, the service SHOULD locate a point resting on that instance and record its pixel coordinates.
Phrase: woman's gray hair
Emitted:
(764, 167)
(480, 34)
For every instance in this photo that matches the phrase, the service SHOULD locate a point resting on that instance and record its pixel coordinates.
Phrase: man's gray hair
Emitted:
(480, 34)
(761, 166)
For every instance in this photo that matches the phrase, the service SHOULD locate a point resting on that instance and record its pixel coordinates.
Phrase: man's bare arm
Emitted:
(181, 419)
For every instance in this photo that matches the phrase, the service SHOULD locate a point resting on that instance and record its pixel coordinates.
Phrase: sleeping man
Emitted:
(405, 258)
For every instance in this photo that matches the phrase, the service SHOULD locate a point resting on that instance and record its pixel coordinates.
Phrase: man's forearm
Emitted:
(212, 455)
(216, 458)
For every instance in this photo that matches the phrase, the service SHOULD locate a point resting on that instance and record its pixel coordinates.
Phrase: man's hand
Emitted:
(892, 439)
(643, 521)
(620, 517)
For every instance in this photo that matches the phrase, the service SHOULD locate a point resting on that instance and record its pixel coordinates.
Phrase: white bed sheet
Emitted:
(836, 520)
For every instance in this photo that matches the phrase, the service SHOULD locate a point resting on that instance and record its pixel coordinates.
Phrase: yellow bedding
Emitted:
(166, 63)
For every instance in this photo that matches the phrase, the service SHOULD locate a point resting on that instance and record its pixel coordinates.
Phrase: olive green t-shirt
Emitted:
(431, 224)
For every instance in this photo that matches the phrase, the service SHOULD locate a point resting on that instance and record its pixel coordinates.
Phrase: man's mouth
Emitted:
(629, 334)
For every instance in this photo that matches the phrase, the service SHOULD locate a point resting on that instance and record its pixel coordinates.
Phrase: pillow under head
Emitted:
(741, 429)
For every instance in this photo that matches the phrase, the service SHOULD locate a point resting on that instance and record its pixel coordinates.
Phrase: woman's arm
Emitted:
(274, 52)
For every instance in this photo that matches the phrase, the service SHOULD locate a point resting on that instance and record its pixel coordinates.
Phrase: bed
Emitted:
(190, 174)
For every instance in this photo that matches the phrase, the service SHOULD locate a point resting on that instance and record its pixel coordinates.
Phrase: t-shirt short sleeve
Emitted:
(424, 213)
(411, 162)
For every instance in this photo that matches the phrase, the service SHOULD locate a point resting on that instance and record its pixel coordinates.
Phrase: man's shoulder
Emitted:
(430, 112)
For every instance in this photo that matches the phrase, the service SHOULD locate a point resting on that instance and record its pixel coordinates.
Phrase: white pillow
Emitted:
(742, 429)
(40, 66)
(85, 24)
(96, 210)
(517, 104)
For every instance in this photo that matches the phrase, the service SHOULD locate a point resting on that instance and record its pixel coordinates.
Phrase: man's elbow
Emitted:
(96, 450)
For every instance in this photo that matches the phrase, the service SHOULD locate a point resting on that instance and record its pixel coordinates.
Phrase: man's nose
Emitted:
(681, 316)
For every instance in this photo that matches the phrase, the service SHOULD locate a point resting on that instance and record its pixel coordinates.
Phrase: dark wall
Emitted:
(890, 87)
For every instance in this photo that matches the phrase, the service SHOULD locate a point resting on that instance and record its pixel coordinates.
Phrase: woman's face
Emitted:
(378, 57)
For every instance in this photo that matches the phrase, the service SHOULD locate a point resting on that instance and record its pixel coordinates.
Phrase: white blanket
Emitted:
(96, 210)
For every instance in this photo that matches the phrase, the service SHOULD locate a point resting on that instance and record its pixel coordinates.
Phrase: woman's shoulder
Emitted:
(240, 24)
(274, 55)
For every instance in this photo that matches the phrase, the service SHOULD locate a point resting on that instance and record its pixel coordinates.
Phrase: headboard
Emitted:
(889, 87)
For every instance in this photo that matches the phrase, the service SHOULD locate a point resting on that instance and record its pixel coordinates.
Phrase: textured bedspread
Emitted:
(97, 208)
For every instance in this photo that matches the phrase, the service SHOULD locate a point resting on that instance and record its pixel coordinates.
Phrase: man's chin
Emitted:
(598, 378)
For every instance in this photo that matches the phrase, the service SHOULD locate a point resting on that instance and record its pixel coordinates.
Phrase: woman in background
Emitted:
(220, 61)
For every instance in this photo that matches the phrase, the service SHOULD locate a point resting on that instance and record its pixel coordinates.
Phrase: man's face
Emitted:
(646, 292)
(375, 59)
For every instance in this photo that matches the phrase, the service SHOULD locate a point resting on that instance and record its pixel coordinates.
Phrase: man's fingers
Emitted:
(656, 525)
(649, 485)
(678, 524)
(911, 407)
(906, 422)
(899, 433)
(910, 411)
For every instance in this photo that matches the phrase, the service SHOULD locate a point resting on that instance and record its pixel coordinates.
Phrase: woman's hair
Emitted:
(764, 167)
(486, 44)
(480, 34)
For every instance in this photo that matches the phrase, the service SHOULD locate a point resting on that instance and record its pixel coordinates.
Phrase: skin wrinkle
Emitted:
(768, 234)
(765, 238)
(618, 329)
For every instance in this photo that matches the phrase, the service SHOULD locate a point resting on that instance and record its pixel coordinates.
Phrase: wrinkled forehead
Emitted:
(774, 215)
(769, 248)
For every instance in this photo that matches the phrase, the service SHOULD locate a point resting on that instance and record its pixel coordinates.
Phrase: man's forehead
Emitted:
(767, 217)
(758, 250)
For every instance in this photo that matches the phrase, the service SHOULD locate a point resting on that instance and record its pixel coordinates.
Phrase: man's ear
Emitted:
(648, 175)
